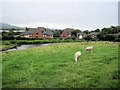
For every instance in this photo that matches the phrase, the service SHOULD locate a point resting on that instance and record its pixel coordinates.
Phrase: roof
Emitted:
(95, 33)
(42, 29)
(28, 32)
(49, 32)
(68, 31)
(81, 33)
(118, 33)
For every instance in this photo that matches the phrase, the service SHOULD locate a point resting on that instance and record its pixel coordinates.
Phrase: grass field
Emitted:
(54, 66)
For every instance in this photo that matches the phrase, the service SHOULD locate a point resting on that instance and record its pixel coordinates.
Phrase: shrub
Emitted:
(60, 38)
(73, 37)
(109, 37)
(94, 39)
(117, 39)
(88, 37)
(118, 36)
(100, 36)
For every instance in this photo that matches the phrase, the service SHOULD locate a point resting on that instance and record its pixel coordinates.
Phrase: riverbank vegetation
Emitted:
(53, 66)
(6, 44)
(9, 43)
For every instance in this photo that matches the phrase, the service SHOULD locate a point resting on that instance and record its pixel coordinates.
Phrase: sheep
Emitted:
(77, 54)
(89, 49)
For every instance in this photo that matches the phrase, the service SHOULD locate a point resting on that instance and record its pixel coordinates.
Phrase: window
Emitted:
(36, 34)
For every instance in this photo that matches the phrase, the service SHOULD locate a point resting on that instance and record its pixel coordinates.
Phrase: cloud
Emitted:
(82, 15)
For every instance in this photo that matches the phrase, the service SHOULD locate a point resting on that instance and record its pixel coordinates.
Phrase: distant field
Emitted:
(54, 66)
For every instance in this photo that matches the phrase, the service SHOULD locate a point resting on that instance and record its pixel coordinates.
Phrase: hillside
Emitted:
(6, 26)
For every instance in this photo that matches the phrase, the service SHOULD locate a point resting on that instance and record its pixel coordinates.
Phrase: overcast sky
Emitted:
(60, 15)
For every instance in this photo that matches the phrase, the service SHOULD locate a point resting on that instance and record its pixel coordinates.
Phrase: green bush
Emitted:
(88, 37)
(73, 37)
(109, 37)
(117, 39)
(100, 36)
(94, 39)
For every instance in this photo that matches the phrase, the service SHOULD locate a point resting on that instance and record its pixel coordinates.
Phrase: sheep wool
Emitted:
(77, 54)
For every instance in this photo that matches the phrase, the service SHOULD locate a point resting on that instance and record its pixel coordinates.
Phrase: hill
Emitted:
(6, 26)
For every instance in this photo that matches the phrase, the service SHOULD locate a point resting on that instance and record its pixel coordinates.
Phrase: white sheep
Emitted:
(77, 54)
(89, 49)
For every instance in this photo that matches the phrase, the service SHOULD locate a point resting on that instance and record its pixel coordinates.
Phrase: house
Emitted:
(94, 34)
(66, 33)
(40, 32)
(118, 34)
(81, 35)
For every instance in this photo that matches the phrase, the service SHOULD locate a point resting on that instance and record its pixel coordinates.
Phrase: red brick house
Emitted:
(40, 32)
(66, 33)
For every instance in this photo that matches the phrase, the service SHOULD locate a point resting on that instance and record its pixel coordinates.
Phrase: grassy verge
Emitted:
(10, 43)
(54, 66)
(43, 41)
(6, 44)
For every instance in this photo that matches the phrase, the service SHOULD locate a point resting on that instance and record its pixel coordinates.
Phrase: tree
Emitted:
(110, 37)
(105, 30)
(27, 29)
(56, 33)
(88, 37)
(97, 30)
(118, 29)
(74, 32)
(111, 30)
(73, 37)
(86, 31)
(8, 35)
(100, 36)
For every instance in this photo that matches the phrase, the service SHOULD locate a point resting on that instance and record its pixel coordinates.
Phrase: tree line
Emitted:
(105, 34)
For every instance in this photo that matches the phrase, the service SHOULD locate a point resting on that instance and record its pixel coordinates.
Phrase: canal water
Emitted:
(26, 46)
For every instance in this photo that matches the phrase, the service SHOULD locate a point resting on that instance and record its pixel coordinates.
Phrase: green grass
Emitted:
(6, 44)
(54, 66)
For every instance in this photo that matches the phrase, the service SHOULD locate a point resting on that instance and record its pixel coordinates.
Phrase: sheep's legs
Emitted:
(91, 50)
(75, 59)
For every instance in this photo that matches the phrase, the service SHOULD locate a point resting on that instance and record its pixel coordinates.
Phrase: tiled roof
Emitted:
(28, 32)
(81, 33)
(95, 33)
(68, 31)
(42, 29)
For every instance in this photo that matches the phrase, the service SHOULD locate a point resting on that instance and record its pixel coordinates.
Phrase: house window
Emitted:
(44, 35)
(36, 34)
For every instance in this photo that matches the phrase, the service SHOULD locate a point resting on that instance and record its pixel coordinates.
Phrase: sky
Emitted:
(83, 15)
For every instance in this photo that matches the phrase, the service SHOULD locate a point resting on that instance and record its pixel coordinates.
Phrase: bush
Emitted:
(109, 37)
(118, 36)
(88, 37)
(60, 38)
(101, 36)
(117, 39)
(94, 39)
(73, 37)
(55, 37)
